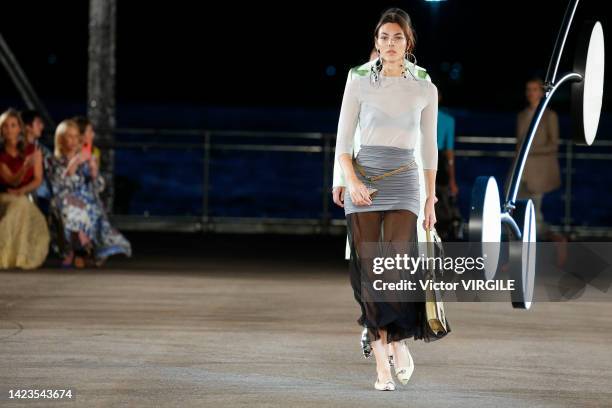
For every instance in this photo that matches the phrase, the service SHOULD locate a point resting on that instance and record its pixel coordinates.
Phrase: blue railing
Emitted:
(203, 180)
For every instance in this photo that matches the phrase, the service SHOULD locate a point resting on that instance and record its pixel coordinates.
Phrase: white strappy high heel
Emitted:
(388, 386)
(404, 373)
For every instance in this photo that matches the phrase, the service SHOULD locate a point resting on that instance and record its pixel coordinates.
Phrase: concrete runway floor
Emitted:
(193, 321)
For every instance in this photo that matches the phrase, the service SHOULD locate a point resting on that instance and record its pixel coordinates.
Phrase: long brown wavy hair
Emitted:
(12, 113)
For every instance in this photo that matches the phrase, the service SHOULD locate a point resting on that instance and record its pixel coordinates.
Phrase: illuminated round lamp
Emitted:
(587, 94)
(523, 255)
(485, 222)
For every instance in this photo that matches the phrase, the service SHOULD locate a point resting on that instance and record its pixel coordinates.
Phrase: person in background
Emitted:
(24, 236)
(373, 54)
(446, 152)
(449, 216)
(541, 174)
(33, 125)
(76, 183)
(87, 136)
(33, 130)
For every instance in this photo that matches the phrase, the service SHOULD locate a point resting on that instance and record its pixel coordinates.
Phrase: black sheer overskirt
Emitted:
(387, 234)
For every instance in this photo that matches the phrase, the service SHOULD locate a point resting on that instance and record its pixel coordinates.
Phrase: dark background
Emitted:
(271, 66)
(270, 54)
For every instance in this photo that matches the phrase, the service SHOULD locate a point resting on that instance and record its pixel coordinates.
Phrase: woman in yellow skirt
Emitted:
(24, 236)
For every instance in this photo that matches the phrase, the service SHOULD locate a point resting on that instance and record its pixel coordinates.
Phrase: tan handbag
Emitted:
(434, 306)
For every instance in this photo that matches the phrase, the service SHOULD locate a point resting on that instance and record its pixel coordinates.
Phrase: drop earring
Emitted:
(376, 69)
(407, 58)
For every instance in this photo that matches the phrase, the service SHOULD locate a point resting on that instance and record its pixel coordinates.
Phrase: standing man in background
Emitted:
(541, 174)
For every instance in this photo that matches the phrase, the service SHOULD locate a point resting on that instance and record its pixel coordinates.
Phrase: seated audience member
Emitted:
(33, 130)
(87, 136)
(76, 184)
(24, 236)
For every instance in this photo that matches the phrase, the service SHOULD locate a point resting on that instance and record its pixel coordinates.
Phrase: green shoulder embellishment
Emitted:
(421, 73)
(360, 72)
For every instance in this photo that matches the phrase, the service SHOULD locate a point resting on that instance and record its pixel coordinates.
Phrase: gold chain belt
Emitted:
(405, 167)
(372, 191)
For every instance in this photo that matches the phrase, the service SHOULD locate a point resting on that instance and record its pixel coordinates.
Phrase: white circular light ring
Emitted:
(491, 228)
(528, 255)
(522, 255)
(593, 83)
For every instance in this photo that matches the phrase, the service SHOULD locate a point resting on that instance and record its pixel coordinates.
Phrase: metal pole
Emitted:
(22, 83)
(101, 85)
(553, 65)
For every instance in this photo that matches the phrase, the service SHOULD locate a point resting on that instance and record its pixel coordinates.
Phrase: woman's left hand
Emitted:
(429, 219)
(93, 165)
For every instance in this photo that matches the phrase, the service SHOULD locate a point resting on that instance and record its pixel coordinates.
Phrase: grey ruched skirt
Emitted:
(399, 191)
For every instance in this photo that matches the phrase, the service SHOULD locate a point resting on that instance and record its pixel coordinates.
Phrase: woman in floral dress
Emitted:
(87, 233)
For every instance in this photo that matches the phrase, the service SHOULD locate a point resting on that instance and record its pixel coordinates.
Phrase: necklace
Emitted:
(402, 73)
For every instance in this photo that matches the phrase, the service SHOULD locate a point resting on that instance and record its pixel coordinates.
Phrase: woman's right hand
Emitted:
(359, 193)
(338, 195)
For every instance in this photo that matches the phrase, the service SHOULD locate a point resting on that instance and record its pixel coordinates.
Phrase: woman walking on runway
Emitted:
(391, 108)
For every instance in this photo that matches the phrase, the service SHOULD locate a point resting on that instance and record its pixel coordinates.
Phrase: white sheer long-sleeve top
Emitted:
(393, 113)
